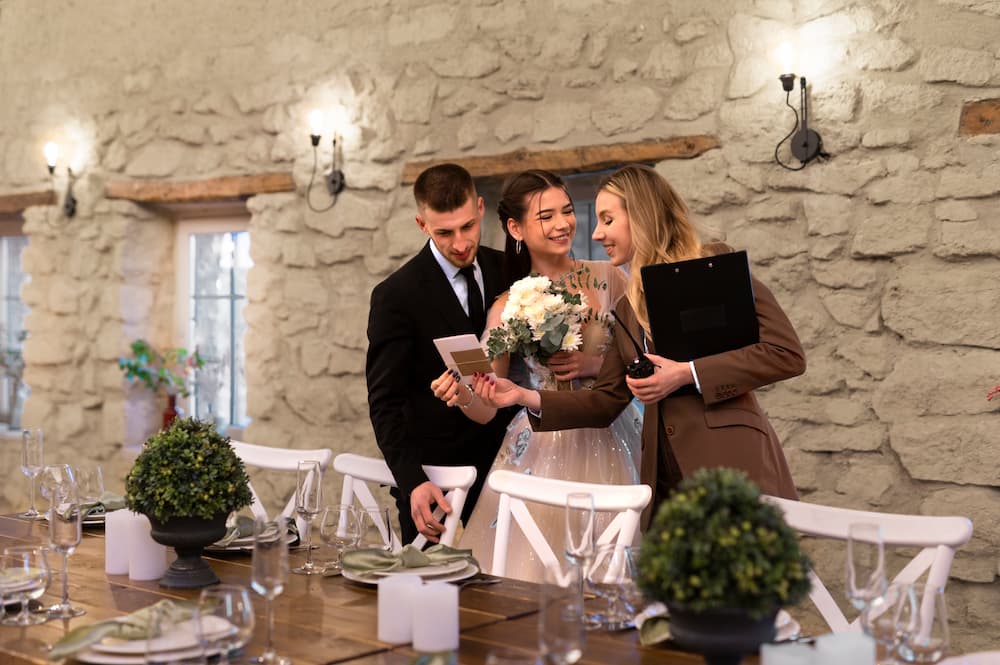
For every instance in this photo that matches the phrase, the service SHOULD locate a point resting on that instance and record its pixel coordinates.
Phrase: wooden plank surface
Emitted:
(573, 160)
(982, 117)
(14, 204)
(190, 191)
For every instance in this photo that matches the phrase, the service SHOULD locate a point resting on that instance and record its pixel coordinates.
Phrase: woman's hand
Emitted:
(499, 393)
(667, 377)
(567, 365)
(449, 389)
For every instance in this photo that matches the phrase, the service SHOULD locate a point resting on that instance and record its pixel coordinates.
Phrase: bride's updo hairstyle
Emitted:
(515, 197)
(659, 222)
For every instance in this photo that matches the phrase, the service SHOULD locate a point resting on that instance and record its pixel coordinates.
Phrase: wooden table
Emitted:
(317, 620)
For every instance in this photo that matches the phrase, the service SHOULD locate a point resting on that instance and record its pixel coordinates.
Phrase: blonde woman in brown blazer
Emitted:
(698, 414)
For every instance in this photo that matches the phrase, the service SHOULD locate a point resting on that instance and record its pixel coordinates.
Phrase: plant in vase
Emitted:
(168, 370)
(187, 480)
(724, 563)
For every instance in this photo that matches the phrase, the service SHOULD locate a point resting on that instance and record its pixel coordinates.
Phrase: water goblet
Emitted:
(561, 635)
(339, 528)
(269, 574)
(26, 576)
(64, 536)
(308, 501)
(90, 483)
(375, 527)
(228, 606)
(922, 625)
(53, 476)
(865, 565)
(579, 526)
(31, 465)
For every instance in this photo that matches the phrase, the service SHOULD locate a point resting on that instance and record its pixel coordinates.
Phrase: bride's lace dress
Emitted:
(608, 456)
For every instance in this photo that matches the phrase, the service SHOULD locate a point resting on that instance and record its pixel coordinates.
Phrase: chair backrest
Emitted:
(279, 459)
(517, 488)
(938, 537)
(359, 470)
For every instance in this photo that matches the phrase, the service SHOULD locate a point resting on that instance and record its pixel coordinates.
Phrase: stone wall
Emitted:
(885, 257)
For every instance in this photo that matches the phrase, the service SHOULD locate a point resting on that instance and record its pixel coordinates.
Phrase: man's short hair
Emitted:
(443, 188)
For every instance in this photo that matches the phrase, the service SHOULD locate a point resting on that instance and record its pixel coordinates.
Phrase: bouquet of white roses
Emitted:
(541, 318)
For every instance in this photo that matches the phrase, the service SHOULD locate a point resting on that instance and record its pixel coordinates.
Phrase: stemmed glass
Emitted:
(579, 527)
(53, 476)
(865, 566)
(31, 465)
(607, 577)
(922, 625)
(25, 575)
(339, 528)
(90, 482)
(268, 577)
(308, 501)
(64, 536)
(232, 605)
(376, 529)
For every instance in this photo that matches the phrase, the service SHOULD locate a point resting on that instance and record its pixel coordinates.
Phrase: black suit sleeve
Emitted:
(390, 359)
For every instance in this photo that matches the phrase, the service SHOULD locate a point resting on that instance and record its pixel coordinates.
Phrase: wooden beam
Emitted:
(14, 204)
(190, 191)
(573, 160)
(982, 117)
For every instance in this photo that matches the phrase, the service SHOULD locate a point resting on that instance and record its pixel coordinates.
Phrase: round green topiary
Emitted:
(187, 470)
(714, 545)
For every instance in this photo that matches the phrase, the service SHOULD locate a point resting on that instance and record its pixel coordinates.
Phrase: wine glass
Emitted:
(922, 625)
(881, 619)
(26, 575)
(375, 527)
(579, 526)
(561, 635)
(308, 501)
(268, 577)
(31, 465)
(228, 606)
(607, 575)
(64, 536)
(54, 475)
(90, 483)
(338, 527)
(865, 565)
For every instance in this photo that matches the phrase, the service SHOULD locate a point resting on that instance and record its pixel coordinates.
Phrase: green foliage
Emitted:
(155, 370)
(715, 545)
(186, 470)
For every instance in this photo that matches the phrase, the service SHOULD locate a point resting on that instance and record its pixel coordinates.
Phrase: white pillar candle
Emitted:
(839, 648)
(786, 654)
(147, 559)
(435, 618)
(116, 547)
(396, 598)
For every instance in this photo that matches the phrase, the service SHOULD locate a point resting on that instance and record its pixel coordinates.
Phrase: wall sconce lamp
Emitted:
(334, 178)
(51, 151)
(806, 144)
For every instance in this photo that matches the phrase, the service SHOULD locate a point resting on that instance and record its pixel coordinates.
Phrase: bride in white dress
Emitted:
(537, 216)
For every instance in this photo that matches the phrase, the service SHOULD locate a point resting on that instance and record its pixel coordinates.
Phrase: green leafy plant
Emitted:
(157, 370)
(188, 469)
(713, 544)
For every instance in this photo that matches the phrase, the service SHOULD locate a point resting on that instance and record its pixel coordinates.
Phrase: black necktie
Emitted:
(476, 312)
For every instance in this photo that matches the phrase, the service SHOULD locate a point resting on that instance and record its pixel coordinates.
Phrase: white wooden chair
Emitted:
(938, 536)
(515, 489)
(359, 470)
(279, 459)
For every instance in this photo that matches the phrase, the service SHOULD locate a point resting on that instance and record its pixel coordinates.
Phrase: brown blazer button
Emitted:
(670, 430)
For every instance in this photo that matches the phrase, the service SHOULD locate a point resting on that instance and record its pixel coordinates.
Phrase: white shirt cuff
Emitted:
(694, 374)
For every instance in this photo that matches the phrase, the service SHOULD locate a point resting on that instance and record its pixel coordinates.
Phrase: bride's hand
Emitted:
(448, 388)
(567, 365)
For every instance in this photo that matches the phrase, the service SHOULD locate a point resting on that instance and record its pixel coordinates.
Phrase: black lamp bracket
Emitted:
(334, 178)
(806, 144)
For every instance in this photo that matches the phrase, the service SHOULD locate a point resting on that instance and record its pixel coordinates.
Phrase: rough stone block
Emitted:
(413, 99)
(664, 63)
(750, 74)
(315, 355)
(968, 182)
(872, 355)
(827, 214)
(891, 231)
(909, 188)
(345, 361)
(968, 239)
(943, 63)
(623, 68)
(949, 449)
(884, 138)
(900, 99)
(832, 438)
(554, 121)
(695, 96)
(477, 61)
(156, 159)
(305, 289)
(420, 25)
(626, 111)
(692, 30)
(877, 53)
(868, 478)
(845, 273)
(955, 211)
(851, 308)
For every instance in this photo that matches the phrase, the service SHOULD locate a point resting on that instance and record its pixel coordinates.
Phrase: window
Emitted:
(12, 314)
(213, 260)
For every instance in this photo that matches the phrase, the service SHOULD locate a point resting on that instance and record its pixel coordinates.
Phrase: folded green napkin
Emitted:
(373, 559)
(133, 626)
(653, 624)
(109, 501)
(242, 527)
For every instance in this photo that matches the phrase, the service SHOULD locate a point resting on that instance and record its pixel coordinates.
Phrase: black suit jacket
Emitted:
(409, 309)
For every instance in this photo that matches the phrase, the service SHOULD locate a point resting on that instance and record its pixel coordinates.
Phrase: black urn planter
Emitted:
(189, 536)
(721, 636)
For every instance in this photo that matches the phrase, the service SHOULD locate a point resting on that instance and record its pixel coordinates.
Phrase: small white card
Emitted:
(464, 354)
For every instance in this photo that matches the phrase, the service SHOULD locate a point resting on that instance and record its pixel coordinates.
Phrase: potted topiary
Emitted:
(724, 563)
(187, 480)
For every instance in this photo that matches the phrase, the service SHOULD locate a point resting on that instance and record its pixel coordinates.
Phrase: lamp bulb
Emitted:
(785, 55)
(316, 122)
(51, 151)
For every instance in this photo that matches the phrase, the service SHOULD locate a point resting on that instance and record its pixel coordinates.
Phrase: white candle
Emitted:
(147, 559)
(786, 654)
(435, 618)
(839, 648)
(116, 547)
(396, 598)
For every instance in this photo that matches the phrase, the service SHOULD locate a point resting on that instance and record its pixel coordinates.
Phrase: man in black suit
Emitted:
(444, 290)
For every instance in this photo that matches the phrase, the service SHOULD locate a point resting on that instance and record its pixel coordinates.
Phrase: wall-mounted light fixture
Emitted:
(51, 151)
(806, 144)
(334, 178)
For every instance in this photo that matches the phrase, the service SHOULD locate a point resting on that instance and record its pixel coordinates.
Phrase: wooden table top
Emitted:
(318, 620)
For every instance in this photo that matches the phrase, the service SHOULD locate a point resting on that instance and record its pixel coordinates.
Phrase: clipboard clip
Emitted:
(641, 366)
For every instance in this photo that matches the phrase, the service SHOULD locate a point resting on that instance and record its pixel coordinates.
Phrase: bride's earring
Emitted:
(517, 247)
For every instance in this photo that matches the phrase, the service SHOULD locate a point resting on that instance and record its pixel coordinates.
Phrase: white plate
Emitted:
(101, 658)
(426, 571)
(244, 544)
(787, 628)
(181, 637)
(367, 578)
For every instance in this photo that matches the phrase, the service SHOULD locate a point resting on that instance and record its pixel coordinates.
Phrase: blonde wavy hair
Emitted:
(660, 225)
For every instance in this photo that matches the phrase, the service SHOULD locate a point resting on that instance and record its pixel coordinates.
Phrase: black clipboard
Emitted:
(701, 307)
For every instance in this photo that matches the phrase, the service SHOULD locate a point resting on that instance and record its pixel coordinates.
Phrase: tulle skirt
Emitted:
(609, 456)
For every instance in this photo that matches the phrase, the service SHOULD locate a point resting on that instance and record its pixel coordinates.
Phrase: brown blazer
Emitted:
(724, 426)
